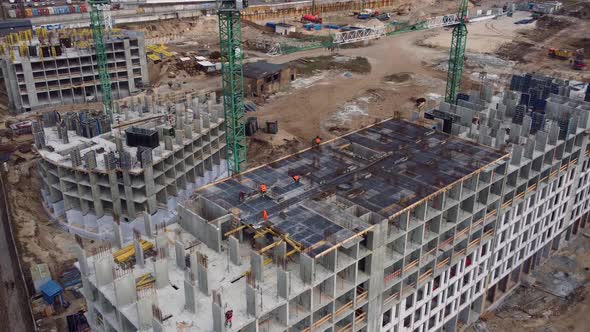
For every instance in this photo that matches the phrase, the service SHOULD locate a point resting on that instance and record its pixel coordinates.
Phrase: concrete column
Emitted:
(194, 263)
(206, 120)
(129, 65)
(541, 141)
(516, 155)
(161, 273)
(143, 61)
(114, 186)
(157, 326)
(147, 222)
(117, 234)
(180, 255)
(125, 291)
(162, 243)
(168, 143)
(306, 268)
(500, 137)
(203, 278)
(527, 123)
(128, 194)
(553, 133)
(144, 310)
(283, 283)
(280, 251)
(529, 148)
(252, 301)
(218, 317)
(234, 250)
(256, 262)
(139, 257)
(82, 260)
(30, 82)
(103, 267)
(374, 268)
(95, 190)
(150, 189)
(515, 133)
(190, 292)
(180, 137)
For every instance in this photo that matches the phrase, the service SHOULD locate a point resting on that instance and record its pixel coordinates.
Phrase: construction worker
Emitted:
(228, 317)
(242, 196)
(316, 142)
(263, 190)
(296, 178)
(264, 215)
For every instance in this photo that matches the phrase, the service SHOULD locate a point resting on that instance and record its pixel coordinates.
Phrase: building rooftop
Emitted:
(261, 69)
(385, 169)
(60, 153)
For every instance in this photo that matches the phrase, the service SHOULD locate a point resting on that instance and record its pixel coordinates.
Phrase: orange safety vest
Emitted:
(263, 188)
(264, 215)
(318, 140)
(296, 178)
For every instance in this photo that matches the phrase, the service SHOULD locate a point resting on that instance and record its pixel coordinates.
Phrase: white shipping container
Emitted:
(12, 13)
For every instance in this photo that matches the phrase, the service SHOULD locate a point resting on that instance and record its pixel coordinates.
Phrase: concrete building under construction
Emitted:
(44, 68)
(395, 227)
(153, 157)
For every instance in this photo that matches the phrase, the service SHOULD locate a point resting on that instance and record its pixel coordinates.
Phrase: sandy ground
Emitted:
(484, 37)
(15, 310)
(536, 309)
(324, 101)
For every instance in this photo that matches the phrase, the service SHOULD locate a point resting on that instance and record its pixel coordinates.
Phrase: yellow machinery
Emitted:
(144, 280)
(128, 251)
(559, 53)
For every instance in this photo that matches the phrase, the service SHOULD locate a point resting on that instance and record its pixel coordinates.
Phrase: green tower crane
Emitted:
(457, 55)
(232, 76)
(97, 26)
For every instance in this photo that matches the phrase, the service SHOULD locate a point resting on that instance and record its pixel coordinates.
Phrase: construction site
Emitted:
(336, 165)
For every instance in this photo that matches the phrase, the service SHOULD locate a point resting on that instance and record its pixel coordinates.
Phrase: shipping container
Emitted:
(28, 12)
(12, 13)
(35, 12)
(83, 8)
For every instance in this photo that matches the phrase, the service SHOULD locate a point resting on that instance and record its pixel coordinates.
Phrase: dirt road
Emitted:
(15, 314)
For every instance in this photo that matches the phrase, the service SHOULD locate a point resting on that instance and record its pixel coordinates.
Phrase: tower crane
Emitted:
(232, 78)
(457, 55)
(97, 24)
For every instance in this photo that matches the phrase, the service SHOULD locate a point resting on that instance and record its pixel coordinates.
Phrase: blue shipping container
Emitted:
(317, 27)
(271, 24)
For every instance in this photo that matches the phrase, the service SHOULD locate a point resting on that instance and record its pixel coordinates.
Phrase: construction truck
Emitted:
(559, 53)
(311, 18)
(576, 57)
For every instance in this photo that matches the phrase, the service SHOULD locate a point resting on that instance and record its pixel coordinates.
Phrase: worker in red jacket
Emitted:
(228, 317)
(263, 190)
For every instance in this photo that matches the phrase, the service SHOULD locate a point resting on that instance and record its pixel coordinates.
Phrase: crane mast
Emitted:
(232, 77)
(457, 55)
(97, 26)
